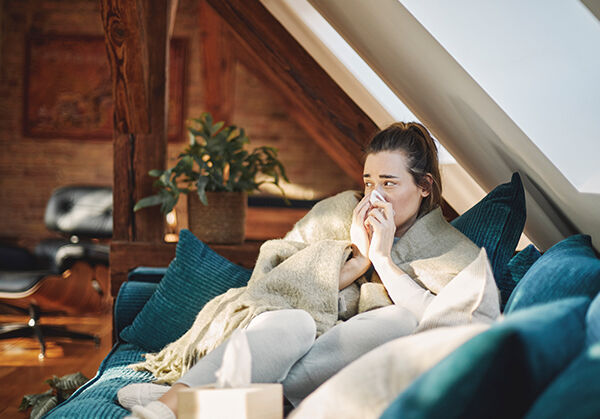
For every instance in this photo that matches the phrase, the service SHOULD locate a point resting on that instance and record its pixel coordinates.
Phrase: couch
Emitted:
(542, 359)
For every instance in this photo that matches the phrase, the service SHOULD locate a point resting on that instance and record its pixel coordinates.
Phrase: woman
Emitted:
(402, 185)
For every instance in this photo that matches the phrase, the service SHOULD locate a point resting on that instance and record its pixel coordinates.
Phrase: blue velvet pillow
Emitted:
(500, 372)
(574, 393)
(567, 269)
(496, 222)
(593, 322)
(515, 270)
(194, 277)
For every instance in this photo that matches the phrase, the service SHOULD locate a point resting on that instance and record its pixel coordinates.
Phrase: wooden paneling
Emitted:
(218, 70)
(264, 223)
(324, 109)
(126, 255)
(30, 168)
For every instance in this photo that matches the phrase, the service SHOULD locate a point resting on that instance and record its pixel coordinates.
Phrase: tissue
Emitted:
(236, 367)
(232, 396)
(375, 196)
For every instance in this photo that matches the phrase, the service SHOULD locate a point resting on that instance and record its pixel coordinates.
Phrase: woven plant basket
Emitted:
(222, 221)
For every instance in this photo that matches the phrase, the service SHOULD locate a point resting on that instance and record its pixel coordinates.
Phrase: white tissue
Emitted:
(236, 367)
(375, 196)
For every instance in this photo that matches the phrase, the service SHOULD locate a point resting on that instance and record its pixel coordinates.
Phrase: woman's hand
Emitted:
(358, 230)
(354, 268)
(381, 221)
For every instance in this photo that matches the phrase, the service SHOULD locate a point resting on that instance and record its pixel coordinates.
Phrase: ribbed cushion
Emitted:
(147, 274)
(574, 393)
(515, 270)
(569, 268)
(500, 372)
(592, 320)
(496, 222)
(194, 277)
(98, 397)
(132, 297)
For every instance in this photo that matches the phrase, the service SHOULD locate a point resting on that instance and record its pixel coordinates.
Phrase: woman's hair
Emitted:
(421, 153)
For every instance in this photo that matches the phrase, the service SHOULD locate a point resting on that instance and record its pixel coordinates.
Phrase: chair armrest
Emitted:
(146, 274)
(61, 254)
(92, 253)
(130, 300)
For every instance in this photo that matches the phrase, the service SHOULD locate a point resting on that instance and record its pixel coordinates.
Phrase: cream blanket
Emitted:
(302, 271)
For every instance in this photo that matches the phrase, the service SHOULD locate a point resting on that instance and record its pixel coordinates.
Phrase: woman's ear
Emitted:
(426, 185)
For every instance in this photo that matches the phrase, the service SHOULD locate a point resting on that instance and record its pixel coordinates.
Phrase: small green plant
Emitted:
(215, 160)
(61, 389)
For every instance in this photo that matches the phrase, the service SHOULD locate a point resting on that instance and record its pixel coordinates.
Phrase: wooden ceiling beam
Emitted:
(327, 113)
(136, 34)
(218, 64)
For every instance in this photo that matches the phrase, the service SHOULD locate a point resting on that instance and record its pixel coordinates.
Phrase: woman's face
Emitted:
(387, 173)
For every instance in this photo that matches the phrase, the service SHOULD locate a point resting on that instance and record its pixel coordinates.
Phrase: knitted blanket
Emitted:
(299, 271)
(302, 271)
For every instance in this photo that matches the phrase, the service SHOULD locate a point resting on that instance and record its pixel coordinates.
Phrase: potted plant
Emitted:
(221, 172)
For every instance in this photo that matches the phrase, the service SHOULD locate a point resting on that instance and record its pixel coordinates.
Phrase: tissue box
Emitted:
(258, 401)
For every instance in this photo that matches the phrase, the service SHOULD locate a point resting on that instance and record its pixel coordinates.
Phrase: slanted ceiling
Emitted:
(332, 118)
(318, 104)
(476, 131)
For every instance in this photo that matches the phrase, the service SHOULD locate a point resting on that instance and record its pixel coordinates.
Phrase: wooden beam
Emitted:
(137, 47)
(172, 14)
(218, 64)
(324, 109)
(136, 33)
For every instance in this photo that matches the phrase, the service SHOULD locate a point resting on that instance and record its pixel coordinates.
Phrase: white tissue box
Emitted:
(258, 401)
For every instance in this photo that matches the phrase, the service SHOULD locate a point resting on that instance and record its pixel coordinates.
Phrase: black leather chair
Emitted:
(79, 213)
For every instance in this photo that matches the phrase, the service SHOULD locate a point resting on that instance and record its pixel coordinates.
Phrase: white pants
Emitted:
(284, 350)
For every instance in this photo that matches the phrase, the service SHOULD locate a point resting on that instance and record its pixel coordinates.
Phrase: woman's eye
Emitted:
(368, 184)
(388, 183)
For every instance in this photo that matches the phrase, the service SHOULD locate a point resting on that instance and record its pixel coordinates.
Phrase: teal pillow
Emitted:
(592, 321)
(194, 277)
(569, 268)
(496, 222)
(574, 393)
(500, 372)
(514, 272)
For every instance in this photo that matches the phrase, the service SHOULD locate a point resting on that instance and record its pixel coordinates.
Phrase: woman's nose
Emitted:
(377, 195)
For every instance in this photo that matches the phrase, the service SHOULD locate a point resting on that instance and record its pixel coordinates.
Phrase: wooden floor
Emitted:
(21, 372)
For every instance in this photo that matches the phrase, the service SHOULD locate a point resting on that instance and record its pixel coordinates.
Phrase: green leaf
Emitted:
(155, 172)
(216, 127)
(168, 204)
(149, 201)
(201, 185)
(31, 399)
(208, 118)
(68, 382)
(43, 406)
(66, 385)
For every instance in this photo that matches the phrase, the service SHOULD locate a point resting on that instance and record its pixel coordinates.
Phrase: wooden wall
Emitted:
(30, 168)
